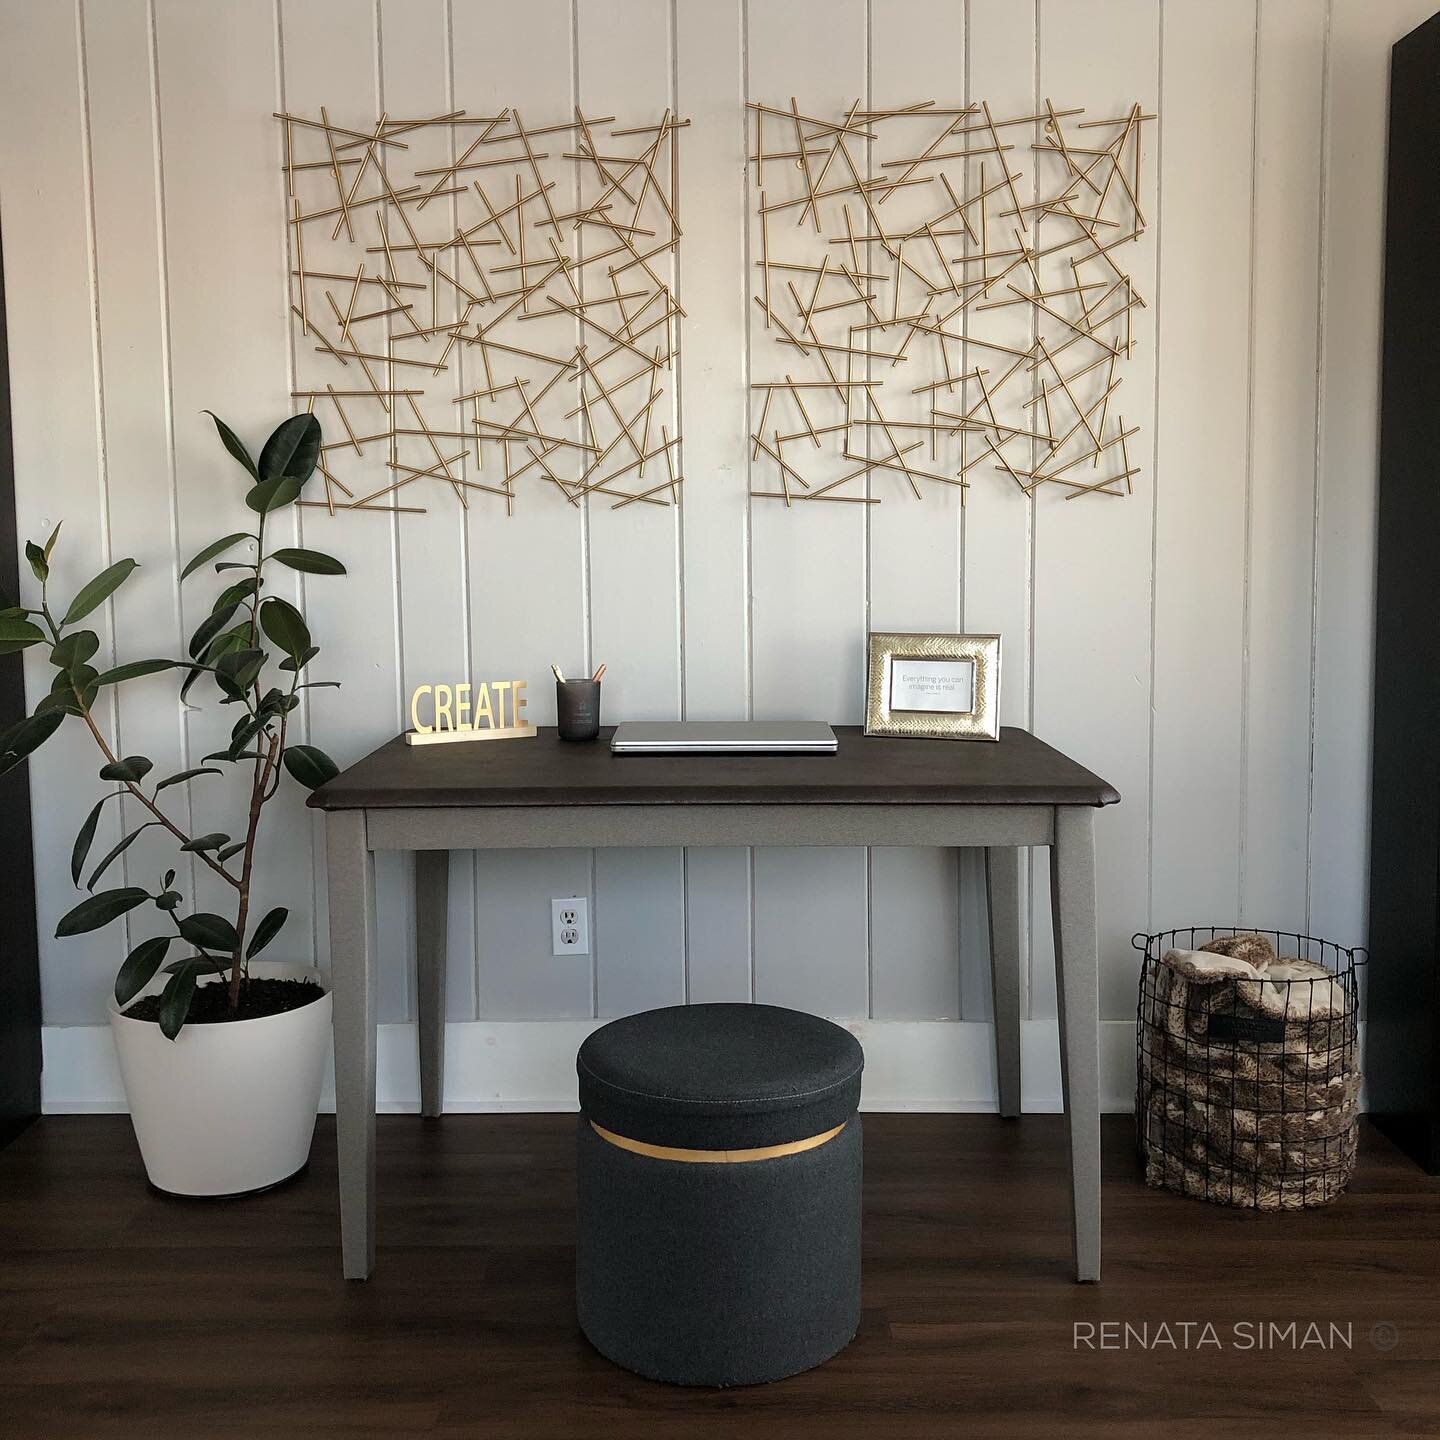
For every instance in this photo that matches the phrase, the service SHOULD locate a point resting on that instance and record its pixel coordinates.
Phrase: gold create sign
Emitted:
(491, 710)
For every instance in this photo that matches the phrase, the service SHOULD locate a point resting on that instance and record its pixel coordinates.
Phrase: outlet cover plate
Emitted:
(570, 925)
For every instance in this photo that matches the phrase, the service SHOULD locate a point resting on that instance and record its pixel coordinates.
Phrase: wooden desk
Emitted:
(543, 792)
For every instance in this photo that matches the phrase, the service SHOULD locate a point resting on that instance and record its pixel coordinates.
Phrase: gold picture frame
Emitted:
(935, 687)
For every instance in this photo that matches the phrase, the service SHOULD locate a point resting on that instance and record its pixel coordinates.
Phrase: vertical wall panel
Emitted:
(625, 70)
(1289, 125)
(134, 389)
(808, 567)
(1202, 463)
(808, 564)
(809, 945)
(717, 924)
(1360, 38)
(57, 461)
(914, 545)
(527, 571)
(914, 920)
(1000, 69)
(217, 76)
(1092, 561)
(712, 208)
(714, 408)
(639, 930)
(433, 564)
(330, 58)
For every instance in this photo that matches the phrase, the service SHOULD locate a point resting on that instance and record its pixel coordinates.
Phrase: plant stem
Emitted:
(259, 780)
(257, 802)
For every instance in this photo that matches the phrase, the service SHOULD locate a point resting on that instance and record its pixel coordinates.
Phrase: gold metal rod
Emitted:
(403, 309)
(345, 419)
(645, 434)
(451, 169)
(825, 126)
(368, 280)
(517, 384)
(324, 344)
(521, 133)
(625, 469)
(649, 129)
(335, 170)
(1101, 487)
(1118, 120)
(610, 404)
(804, 414)
(595, 325)
(916, 160)
(925, 154)
(320, 125)
(845, 499)
(811, 185)
(384, 359)
(859, 187)
(1004, 166)
(1075, 375)
(1052, 125)
(296, 167)
(815, 384)
(383, 509)
(513, 432)
(787, 471)
(434, 445)
(535, 171)
(369, 158)
(300, 264)
(1016, 120)
(675, 480)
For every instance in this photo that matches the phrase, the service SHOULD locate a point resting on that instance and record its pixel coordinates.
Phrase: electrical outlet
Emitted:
(570, 926)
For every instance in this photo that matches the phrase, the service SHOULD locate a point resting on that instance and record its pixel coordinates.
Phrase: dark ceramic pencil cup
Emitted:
(577, 709)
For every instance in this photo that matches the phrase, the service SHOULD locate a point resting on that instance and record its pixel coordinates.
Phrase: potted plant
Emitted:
(222, 1052)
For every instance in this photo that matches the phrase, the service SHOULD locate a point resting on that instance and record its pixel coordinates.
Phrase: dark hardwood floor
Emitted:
(123, 1313)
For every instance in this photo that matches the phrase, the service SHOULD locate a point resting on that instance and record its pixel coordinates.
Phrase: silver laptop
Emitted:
(722, 737)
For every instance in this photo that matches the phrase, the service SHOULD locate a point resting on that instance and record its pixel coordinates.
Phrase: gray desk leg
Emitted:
(350, 868)
(432, 884)
(1002, 887)
(1077, 984)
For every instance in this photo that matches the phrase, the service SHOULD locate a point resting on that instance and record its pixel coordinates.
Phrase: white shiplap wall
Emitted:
(1204, 645)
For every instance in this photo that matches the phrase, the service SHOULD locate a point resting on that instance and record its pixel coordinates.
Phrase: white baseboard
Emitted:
(529, 1065)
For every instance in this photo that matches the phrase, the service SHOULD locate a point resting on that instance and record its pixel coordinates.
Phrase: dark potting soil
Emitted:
(257, 998)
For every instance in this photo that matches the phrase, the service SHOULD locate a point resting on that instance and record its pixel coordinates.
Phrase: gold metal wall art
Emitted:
(493, 303)
(940, 294)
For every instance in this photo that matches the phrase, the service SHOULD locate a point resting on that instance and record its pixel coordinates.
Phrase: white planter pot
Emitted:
(228, 1107)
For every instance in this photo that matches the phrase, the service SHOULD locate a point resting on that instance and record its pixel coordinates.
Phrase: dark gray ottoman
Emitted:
(719, 1176)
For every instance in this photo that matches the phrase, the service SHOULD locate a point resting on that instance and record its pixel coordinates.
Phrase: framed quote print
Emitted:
(937, 687)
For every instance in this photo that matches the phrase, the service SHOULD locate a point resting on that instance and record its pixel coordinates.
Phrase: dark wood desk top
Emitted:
(1017, 769)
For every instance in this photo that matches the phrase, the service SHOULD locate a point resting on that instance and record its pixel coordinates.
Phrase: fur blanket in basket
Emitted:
(1248, 1094)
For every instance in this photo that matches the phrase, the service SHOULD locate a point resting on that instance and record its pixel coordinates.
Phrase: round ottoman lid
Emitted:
(720, 1077)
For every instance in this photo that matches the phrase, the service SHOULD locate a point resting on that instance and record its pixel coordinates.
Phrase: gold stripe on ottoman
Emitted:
(715, 1157)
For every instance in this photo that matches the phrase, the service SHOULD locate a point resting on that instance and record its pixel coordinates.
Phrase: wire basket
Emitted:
(1248, 1090)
